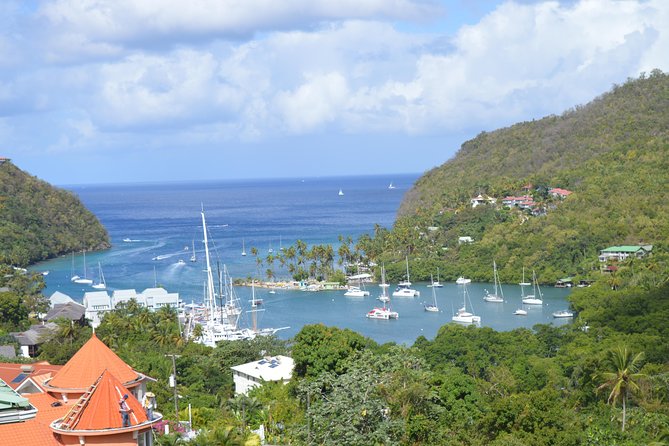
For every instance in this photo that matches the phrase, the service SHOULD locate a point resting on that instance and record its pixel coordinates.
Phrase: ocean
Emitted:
(154, 226)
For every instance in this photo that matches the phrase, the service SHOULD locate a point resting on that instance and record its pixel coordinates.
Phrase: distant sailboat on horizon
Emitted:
(390, 186)
(341, 192)
(243, 249)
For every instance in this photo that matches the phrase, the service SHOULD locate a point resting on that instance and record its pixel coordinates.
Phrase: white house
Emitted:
(99, 302)
(465, 239)
(482, 199)
(253, 374)
(620, 253)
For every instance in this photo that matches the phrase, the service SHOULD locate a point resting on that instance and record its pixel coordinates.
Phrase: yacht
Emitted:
(384, 312)
(498, 295)
(435, 283)
(463, 281)
(463, 316)
(102, 284)
(404, 288)
(354, 291)
(535, 298)
(433, 307)
(563, 314)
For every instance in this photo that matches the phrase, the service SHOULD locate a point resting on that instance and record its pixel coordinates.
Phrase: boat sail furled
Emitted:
(498, 295)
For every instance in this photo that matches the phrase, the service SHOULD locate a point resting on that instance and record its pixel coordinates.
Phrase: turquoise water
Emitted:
(163, 221)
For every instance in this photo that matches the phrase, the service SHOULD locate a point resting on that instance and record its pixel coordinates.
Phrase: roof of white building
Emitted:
(275, 368)
(96, 296)
(59, 298)
(123, 294)
(154, 291)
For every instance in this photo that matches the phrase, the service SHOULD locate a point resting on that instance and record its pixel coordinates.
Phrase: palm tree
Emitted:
(621, 376)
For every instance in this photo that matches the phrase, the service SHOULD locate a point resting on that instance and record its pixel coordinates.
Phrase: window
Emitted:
(144, 438)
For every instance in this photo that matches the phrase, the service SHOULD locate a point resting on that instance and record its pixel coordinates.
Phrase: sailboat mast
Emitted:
(210, 279)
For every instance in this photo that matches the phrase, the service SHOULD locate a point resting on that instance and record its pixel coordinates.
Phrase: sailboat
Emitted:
(341, 192)
(102, 284)
(390, 186)
(521, 311)
(384, 287)
(434, 308)
(78, 279)
(384, 312)
(404, 288)
(357, 291)
(498, 295)
(280, 244)
(435, 284)
(193, 257)
(463, 316)
(243, 248)
(533, 299)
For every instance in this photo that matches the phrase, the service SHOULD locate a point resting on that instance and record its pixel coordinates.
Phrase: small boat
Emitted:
(404, 288)
(523, 283)
(102, 284)
(354, 291)
(45, 273)
(563, 314)
(463, 316)
(462, 281)
(181, 262)
(535, 298)
(272, 291)
(433, 308)
(127, 240)
(390, 186)
(436, 284)
(498, 295)
(341, 192)
(520, 312)
(243, 248)
(382, 313)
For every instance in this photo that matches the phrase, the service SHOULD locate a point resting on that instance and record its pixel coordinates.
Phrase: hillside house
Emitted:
(556, 192)
(465, 239)
(98, 303)
(481, 200)
(620, 253)
(253, 374)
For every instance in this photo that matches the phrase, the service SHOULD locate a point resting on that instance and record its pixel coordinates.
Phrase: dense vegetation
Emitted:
(612, 153)
(39, 221)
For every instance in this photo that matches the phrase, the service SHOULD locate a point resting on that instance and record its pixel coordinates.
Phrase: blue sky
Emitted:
(100, 91)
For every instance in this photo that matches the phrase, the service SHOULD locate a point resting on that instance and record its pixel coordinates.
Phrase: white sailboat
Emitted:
(78, 279)
(435, 284)
(535, 298)
(521, 311)
(498, 295)
(357, 291)
(102, 284)
(404, 288)
(433, 308)
(341, 192)
(383, 297)
(384, 313)
(463, 316)
(390, 186)
(243, 248)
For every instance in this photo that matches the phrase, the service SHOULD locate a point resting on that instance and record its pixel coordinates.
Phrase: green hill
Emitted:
(39, 221)
(612, 153)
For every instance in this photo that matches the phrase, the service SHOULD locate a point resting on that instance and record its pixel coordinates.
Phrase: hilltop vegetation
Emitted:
(39, 221)
(612, 153)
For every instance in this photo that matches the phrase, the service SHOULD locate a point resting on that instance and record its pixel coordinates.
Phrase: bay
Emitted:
(162, 221)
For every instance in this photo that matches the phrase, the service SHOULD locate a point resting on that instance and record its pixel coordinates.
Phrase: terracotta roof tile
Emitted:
(88, 364)
(34, 432)
(9, 371)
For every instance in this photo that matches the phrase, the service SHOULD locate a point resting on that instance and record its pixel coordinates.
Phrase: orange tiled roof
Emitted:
(10, 371)
(84, 368)
(34, 432)
(102, 409)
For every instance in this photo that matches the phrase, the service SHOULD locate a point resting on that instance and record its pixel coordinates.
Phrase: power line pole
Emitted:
(173, 383)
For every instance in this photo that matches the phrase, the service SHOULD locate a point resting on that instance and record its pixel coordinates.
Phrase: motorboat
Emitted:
(463, 281)
(382, 313)
(520, 312)
(563, 314)
(354, 291)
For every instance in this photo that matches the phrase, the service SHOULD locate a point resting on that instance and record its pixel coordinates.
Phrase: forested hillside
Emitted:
(612, 153)
(39, 221)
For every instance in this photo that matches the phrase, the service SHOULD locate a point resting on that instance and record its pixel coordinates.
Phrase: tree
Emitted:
(621, 376)
(13, 313)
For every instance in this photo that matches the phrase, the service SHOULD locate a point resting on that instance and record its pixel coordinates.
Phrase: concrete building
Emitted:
(620, 253)
(97, 303)
(253, 374)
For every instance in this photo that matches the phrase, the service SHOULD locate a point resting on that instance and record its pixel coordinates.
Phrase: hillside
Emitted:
(611, 153)
(39, 221)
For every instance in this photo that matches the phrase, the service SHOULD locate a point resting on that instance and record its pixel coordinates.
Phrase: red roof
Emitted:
(11, 373)
(102, 409)
(34, 432)
(559, 191)
(84, 368)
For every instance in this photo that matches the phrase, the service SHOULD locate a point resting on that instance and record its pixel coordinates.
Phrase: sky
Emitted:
(115, 91)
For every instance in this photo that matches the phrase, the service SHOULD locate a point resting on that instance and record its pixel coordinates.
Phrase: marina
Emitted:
(151, 224)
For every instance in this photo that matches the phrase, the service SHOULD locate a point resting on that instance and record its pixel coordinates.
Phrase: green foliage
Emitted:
(611, 153)
(13, 312)
(319, 349)
(39, 221)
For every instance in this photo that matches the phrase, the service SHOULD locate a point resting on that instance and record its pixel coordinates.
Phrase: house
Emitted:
(515, 201)
(30, 339)
(465, 239)
(556, 192)
(71, 311)
(481, 200)
(620, 253)
(97, 303)
(253, 374)
(59, 298)
(74, 404)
